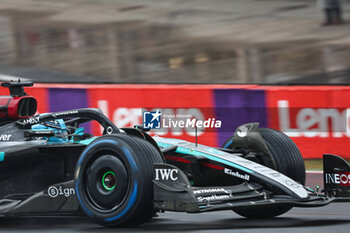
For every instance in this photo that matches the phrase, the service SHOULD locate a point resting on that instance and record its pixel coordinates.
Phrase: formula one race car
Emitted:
(50, 166)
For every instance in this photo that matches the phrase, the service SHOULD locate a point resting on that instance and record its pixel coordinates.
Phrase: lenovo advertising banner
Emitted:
(180, 107)
(316, 118)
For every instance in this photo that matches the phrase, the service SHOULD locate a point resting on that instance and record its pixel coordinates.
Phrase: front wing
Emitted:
(173, 192)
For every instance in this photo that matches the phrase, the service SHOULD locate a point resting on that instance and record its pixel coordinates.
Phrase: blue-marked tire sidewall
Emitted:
(132, 196)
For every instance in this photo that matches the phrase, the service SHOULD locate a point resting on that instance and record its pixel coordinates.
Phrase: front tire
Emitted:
(289, 162)
(113, 180)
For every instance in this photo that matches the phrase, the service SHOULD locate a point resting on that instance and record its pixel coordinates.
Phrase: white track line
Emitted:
(314, 172)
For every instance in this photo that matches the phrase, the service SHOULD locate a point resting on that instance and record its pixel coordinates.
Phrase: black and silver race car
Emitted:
(50, 166)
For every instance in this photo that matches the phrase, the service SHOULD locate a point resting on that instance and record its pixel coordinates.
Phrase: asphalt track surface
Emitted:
(333, 218)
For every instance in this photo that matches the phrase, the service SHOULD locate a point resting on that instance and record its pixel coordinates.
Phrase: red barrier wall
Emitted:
(315, 117)
(125, 106)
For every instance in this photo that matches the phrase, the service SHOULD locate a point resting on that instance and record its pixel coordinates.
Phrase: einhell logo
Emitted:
(341, 178)
(236, 174)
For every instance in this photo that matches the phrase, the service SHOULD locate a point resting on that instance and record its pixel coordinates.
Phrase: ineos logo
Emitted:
(341, 178)
(166, 174)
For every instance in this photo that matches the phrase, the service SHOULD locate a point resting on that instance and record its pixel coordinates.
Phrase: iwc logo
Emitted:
(166, 174)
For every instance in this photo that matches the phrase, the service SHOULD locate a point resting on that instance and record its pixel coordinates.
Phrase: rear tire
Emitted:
(113, 180)
(289, 162)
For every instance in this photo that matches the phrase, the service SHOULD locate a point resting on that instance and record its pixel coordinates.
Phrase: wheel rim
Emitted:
(106, 183)
(109, 180)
